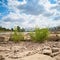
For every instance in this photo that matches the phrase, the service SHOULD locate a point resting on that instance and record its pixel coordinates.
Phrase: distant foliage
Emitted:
(39, 35)
(4, 29)
(18, 29)
(17, 36)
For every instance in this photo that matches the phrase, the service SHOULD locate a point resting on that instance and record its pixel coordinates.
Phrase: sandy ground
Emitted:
(17, 51)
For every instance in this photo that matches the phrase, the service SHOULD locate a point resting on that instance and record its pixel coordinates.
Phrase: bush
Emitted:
(39, 35)
(17, 36)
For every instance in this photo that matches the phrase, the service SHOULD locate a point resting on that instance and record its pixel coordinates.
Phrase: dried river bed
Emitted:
(24, 49)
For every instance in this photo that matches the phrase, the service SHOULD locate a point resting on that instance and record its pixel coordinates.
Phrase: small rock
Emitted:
(54, 49)
(47, 50)
(54, 54)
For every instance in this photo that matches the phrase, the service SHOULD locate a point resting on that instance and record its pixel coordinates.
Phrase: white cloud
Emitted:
(12, 5)
(33, 18)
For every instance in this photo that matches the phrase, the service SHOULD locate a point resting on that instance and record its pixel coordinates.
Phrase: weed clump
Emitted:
(17, 36)
(39, 35)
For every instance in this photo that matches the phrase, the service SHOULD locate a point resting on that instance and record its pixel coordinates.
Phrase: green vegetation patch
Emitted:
(39, 35)
(17, 36)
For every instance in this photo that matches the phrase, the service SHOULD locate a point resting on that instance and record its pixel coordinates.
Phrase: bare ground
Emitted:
(17, 51)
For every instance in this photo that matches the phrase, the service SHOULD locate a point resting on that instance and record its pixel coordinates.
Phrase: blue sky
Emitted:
(29, 13)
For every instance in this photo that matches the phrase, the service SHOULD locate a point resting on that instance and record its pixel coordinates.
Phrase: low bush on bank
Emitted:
(39, 35)
(17, 36)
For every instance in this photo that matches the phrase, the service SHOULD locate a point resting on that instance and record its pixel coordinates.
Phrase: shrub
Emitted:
(39, 35)
(17, 36)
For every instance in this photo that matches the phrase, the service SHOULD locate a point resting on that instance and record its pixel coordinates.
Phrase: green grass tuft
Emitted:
(39, 35)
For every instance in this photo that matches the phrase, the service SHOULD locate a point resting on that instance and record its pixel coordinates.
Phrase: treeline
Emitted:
(19, 29)
(12, 29)
(4, 29)
(57, 28)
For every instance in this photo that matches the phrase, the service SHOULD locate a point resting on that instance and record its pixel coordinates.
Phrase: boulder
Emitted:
(38, 57)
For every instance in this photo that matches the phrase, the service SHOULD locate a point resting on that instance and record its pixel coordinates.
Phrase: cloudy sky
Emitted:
(29, 13)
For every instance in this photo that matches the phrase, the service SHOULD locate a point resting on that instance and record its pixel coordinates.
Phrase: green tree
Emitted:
(18, 29)
(12, 29)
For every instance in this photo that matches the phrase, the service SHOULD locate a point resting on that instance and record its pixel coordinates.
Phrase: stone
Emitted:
(47, 50)
(38, 57)
(55, 54)
(55, 49)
